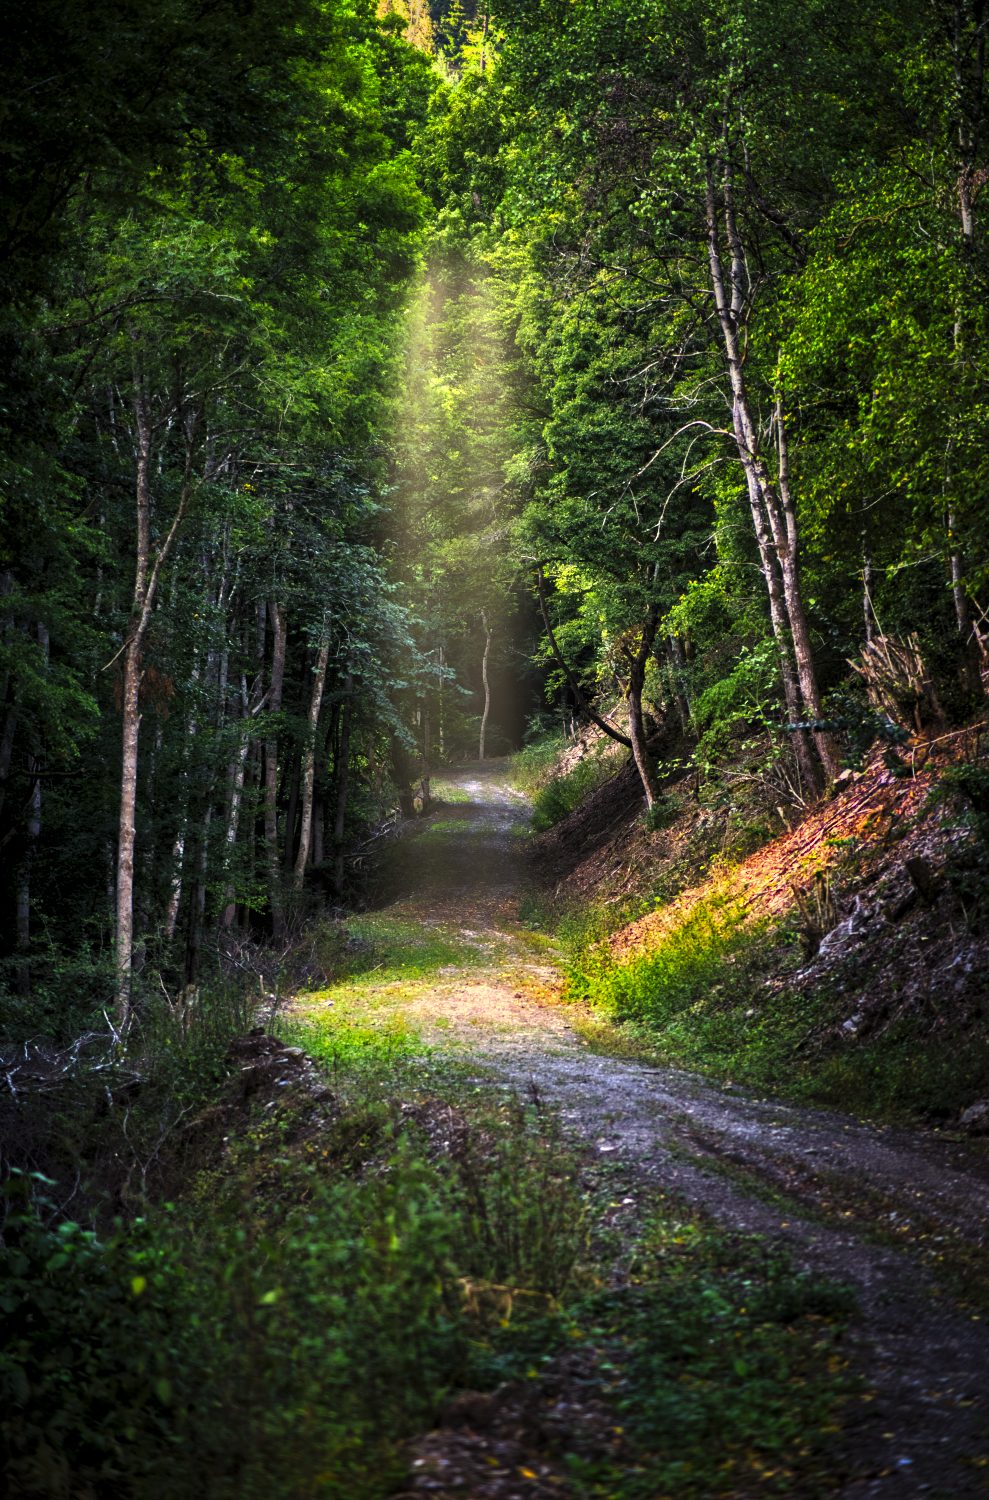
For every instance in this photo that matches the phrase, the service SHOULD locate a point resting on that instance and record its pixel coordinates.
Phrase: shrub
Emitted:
(534, 764)
(558, 797)
(239, 1357)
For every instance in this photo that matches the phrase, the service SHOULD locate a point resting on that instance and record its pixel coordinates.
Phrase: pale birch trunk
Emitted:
(309, 764)
(427, 753)
(146, 575)
(178, 843)
(237, 776)
(482, 745)
(636, 723)
(729, 307)
(276, 615)
(784, 520)
(130, 712)
(342, 769)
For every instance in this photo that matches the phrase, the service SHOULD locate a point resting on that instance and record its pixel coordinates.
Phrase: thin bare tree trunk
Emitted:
(238, 773)
(276, 614)
(963, 614)
(146, 576)
(130, 711)
(427, 752)
(487, 685)
(970, 24)
(868, 610)
(24, 872)
(309, 763)
(197, 898)
(678, 670)
(636, 724)
(729, 309)
(783, 518)
(342, 769)
(33, 835)
(178, 843)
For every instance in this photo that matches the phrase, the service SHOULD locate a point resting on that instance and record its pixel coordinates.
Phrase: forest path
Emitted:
(899, 1216)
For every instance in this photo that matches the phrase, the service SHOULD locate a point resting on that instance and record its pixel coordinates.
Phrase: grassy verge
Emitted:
(713, 1369)
(712, 992)
(535, 771)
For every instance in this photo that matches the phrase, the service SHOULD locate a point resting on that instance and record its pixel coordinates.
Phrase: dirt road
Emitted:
(882, 1210)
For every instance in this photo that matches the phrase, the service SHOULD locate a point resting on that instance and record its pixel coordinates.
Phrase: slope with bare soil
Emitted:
(899, 1216)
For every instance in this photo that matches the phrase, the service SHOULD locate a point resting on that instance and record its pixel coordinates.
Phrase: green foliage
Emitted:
(560, 795)
(535, 770)
(725, 1367)
(673, 983)
(533, 766)
(971, 782)
(229, 1357)
(709, 990)
(739, 706)
(520, 1209)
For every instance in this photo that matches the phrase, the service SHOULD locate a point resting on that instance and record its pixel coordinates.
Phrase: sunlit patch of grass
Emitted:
(533, 766)
(712, 990)
(394, 949)
(703, 953)
(447, 791)
(392, 962)
(342, 1042)
(446, 828)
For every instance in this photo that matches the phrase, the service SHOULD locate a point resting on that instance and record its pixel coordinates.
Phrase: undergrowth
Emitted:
(720, 1368)
(713, 991)
(555, 793)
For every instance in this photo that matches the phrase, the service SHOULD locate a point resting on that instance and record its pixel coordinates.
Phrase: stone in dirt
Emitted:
(975, 1119)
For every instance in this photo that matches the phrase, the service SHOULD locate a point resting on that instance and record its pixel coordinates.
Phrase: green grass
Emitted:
(711, 993)
(719, 1364)
(381, 948)
(533, 766)
(447, 792)
(535, 772)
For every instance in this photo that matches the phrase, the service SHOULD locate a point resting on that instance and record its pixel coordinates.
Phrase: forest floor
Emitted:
(898, 1216)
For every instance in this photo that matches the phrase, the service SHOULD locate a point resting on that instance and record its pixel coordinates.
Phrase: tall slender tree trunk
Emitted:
(181, 833)
(868, 609)
(32, 837)
(783, 518)
(342, 770)
(197, 898)
(970, 40)
(291, 777)
(237, 776)
(637, 664)
(729, 303)
(309, 763)
(427, 753)
(24, 873)
(486, 681)
(276, 615)
(130, 711)
(678, 673)
(146, 576)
